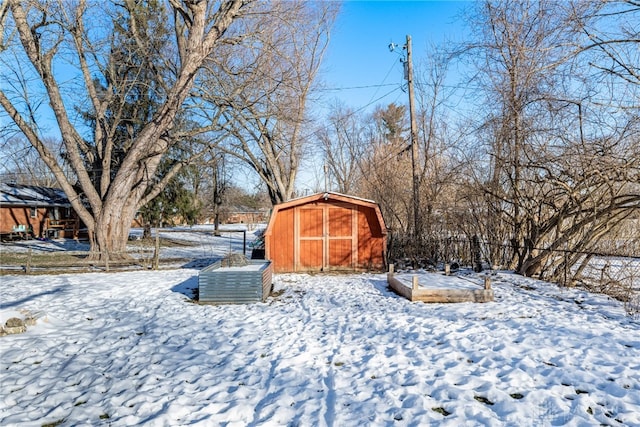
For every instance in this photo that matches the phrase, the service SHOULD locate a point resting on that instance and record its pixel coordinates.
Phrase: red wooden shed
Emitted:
(326, 231)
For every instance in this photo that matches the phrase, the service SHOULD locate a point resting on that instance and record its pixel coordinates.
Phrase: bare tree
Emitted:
(564, 167)
(607, 32)
(81, 36)
(219, 185)
(521, 51)
(263, 92)
(385, 167)
(438, 158)
(343, 140)
(21, 163)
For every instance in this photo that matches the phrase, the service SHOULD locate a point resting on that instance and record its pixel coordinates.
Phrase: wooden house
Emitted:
(33, 211)
(324, 232)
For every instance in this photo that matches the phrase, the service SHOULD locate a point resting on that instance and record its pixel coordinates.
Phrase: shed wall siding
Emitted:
(281, 248)
(370, 240)
(342, 244)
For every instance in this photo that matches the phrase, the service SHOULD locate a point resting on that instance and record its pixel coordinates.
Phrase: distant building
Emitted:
(33, 211)
(243, 215)
(238, 215)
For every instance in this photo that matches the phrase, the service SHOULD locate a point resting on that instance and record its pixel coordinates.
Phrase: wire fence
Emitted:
(164, 249)
(435, 251)
(613, 269)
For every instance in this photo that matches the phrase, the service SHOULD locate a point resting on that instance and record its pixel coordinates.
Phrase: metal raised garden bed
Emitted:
(219, 284)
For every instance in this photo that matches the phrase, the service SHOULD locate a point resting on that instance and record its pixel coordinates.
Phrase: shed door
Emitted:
(310, 248)
(340, 238)
(326, 237)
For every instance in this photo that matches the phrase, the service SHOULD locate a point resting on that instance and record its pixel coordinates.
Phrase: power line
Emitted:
(384, 79)
(373, 101)
(356, 87)
(354, 112)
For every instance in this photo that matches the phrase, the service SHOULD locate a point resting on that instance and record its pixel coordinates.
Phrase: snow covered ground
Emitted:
(199, 242)
(336, 350)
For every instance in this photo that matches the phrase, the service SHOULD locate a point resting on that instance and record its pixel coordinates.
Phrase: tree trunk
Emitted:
(216, 220)
(109, 239)
(146, 230)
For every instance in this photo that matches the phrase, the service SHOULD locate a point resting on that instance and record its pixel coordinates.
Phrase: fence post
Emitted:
(414, 283)
(27, 268)
(487, 282)
(565, 269)
(156, 253)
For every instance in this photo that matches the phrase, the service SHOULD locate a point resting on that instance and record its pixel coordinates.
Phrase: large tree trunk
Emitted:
(109, 239)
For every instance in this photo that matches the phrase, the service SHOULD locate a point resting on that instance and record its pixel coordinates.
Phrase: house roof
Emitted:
(31, 195)
(327, 195)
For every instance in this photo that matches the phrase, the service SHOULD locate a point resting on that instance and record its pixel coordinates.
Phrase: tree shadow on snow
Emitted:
(9, 304)
(47, 245)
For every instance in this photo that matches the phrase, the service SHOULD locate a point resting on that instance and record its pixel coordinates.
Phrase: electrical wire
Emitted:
(330, 89)
(373, 101)
(354, 112)
(383, 81)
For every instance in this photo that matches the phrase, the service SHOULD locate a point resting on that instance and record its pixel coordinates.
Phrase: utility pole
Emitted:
(408, 75)
(417, 229)
(326, 177)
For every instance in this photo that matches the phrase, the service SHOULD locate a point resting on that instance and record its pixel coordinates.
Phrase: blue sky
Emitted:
(359, 55)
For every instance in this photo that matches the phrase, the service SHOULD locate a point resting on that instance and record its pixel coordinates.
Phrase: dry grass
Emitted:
(164, 243)
(49, 258)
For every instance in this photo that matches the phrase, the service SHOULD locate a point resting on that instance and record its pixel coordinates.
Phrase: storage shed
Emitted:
(326, 231)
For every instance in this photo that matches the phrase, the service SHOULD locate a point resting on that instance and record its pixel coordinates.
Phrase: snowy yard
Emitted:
(335, 350)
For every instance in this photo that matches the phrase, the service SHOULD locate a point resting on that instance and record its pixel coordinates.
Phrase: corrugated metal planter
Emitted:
(235, 285)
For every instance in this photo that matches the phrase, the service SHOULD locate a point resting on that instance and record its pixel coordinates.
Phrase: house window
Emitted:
(34, 212)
